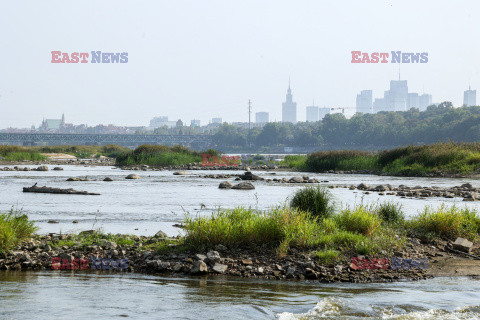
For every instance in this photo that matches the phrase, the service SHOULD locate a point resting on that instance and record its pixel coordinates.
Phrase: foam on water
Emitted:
(339, 308)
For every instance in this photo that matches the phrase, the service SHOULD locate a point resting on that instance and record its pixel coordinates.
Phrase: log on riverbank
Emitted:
(44, 189)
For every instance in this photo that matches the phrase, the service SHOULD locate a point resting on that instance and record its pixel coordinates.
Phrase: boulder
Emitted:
(296, 180)
(248, 175)
(220, 268)
(462, 244)
(213, 256)
(132, 176)
(58, 168)
(161, 234)
(381, 188)
(180, 173)
(225, 185)
(42, 168)
(200, 257)
(108, 179)
(199, 267)
(362, 186)
(244, 186)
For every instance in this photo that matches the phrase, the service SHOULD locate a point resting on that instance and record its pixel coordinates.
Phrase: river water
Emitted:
(158, 201)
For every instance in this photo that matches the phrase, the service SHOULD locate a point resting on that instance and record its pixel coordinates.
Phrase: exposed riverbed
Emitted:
(159, 200)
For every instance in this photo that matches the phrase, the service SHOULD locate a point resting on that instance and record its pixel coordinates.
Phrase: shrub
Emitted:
(14, 227)
(358, 220)
(316, 200)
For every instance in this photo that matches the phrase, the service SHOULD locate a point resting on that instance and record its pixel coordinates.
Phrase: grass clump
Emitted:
(279, 228)
(359, 220)
(316, 200)
(14, 228)
(447, 223)
(326, 256)
(390, 212)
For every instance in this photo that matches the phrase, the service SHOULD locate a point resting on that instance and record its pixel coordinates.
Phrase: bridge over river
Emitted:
(197, 142)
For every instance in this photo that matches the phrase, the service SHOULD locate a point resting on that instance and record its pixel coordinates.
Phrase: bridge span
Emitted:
(197, 142)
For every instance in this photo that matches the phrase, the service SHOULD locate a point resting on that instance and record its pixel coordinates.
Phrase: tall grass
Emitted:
(445, 157)
(341, 160)
(447, 222)
(295, 161)
(316, 200)
(157, 155)
(14, 227)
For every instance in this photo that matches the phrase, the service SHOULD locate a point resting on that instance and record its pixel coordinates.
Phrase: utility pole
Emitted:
(249, 121)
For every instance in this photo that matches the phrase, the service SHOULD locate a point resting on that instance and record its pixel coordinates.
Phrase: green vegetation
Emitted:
(294, 161)
(326, 256)
(156, 155)
(316, 200)
(439, 158)
(95, 238)
(14, 227)
(390, 212)
(447, 223)
(340, 160)
(18, 153)
(362, 131)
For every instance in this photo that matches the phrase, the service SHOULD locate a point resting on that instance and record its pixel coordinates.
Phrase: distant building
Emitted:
(52, 124)
(312, 114)
(261, 117)
(216, 120)
(364, 101)
(413, 101)
(179, 123)
(289, 108)
(322, 112)
(195, 123)
(470, 97)
(159, 122)
(424, 101)
(397, 98)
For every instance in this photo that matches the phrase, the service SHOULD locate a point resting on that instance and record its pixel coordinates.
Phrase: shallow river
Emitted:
(159, 200)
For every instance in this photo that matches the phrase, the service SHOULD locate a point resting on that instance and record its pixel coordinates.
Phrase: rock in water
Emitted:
(220, 268)
(180, 173)
(296, 180)
(199, 267)
(42, 168)
(462, 244)
(108, 179)
(225, 185)
(244, 186)
(132, 176)
(58, 168)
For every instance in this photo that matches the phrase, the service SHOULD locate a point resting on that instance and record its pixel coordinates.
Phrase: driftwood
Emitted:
(44, 189)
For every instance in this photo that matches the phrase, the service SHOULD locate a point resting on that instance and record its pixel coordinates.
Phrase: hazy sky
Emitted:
(204, 59)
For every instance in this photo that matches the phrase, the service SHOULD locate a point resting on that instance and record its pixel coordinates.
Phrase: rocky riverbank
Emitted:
(160, 254)
(103, 161)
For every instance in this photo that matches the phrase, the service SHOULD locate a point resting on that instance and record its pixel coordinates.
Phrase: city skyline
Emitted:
(242, 51)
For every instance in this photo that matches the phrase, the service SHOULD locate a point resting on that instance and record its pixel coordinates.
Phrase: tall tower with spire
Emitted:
(289, 108)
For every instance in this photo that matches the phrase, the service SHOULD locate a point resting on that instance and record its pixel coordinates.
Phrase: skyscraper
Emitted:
(289, 108)
(364, 101)
(470, 97)
(312, 114)
(261, 117)
(413, 100)
(396, 98)
(424, 101)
